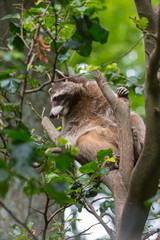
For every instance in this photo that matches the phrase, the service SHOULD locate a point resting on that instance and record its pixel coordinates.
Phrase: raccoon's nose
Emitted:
(51, 115)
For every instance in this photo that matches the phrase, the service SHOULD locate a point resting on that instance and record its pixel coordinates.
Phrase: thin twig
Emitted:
(150, 234)
(46, 222)
(29, 61)
(92, 211)
(98, 199)
(38, 88)
(109, 215)
(57, 211)
(36, 210)
(29, 209)
(83, 232)
(55, 45)
(33, 109)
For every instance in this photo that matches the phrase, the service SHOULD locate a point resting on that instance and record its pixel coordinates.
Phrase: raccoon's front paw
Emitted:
(122, 92)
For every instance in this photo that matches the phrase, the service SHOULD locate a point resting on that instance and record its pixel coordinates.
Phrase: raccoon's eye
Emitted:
(55, 99)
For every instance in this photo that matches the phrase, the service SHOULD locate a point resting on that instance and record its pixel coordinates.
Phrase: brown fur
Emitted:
(88, 119)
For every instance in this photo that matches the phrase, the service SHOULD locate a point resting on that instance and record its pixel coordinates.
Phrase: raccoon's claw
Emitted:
(122, 92)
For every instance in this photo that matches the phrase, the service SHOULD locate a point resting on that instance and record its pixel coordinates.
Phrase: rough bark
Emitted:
(146, 174)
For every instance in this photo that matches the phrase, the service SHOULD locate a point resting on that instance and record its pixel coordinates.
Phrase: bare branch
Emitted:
(46, 222)
(33, 109)
(108, 230)
(98, 199)
(150, 234)
(82, 233)
(57, 211)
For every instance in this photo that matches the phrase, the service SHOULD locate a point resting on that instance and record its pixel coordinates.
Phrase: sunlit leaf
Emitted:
(17, 15)
(104, 153)
(89, 167)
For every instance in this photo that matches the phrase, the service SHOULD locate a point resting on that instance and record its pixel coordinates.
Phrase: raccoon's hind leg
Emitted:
(136, 145)
(91, 142)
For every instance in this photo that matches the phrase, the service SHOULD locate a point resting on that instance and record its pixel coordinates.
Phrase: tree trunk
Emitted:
(145, 177)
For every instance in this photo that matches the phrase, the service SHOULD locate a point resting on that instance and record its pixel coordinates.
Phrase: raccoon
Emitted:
(88, 120)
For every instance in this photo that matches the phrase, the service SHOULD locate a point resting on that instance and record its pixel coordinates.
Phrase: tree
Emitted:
(55, 30)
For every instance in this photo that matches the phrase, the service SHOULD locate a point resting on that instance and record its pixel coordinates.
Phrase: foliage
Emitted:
(41, 39)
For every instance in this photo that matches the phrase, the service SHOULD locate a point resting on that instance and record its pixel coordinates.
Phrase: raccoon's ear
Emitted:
(49, 91)
(61, 75)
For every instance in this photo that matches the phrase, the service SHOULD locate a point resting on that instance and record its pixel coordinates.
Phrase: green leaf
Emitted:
(111, 160)
(89, 167)
(90, 193)
(30, 225)
(86, 31)
(4, 175)
(18, 43)
(22, 157)
(18, 135)
(4, 186)
(84, 47)
(58, 45)
(141, 23)
(149, 202)
(104, 171)
(104, 153)
(64, 161)
(58, 191)
(40, 68)
(63, 57)
(14, 28)
(5, 74)
(62, 141)
(76, 185)
(72, 44)
(91, 29)
(32, 188)
(63, 2)
(74, 151)
(10, 84)
(105, 205)
(6, 107)
(17, 15)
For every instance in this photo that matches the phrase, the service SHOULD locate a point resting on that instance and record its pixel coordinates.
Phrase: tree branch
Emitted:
(146, 174)
(152, 76)
(150, 234)
(50, 129)
(121, 109)
(108, 230)
(82, 233)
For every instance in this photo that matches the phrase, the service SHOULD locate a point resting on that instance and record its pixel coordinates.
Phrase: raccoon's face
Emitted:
(62, 97)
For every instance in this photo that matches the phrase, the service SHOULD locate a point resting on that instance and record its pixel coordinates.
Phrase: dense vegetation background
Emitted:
(36, 39)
